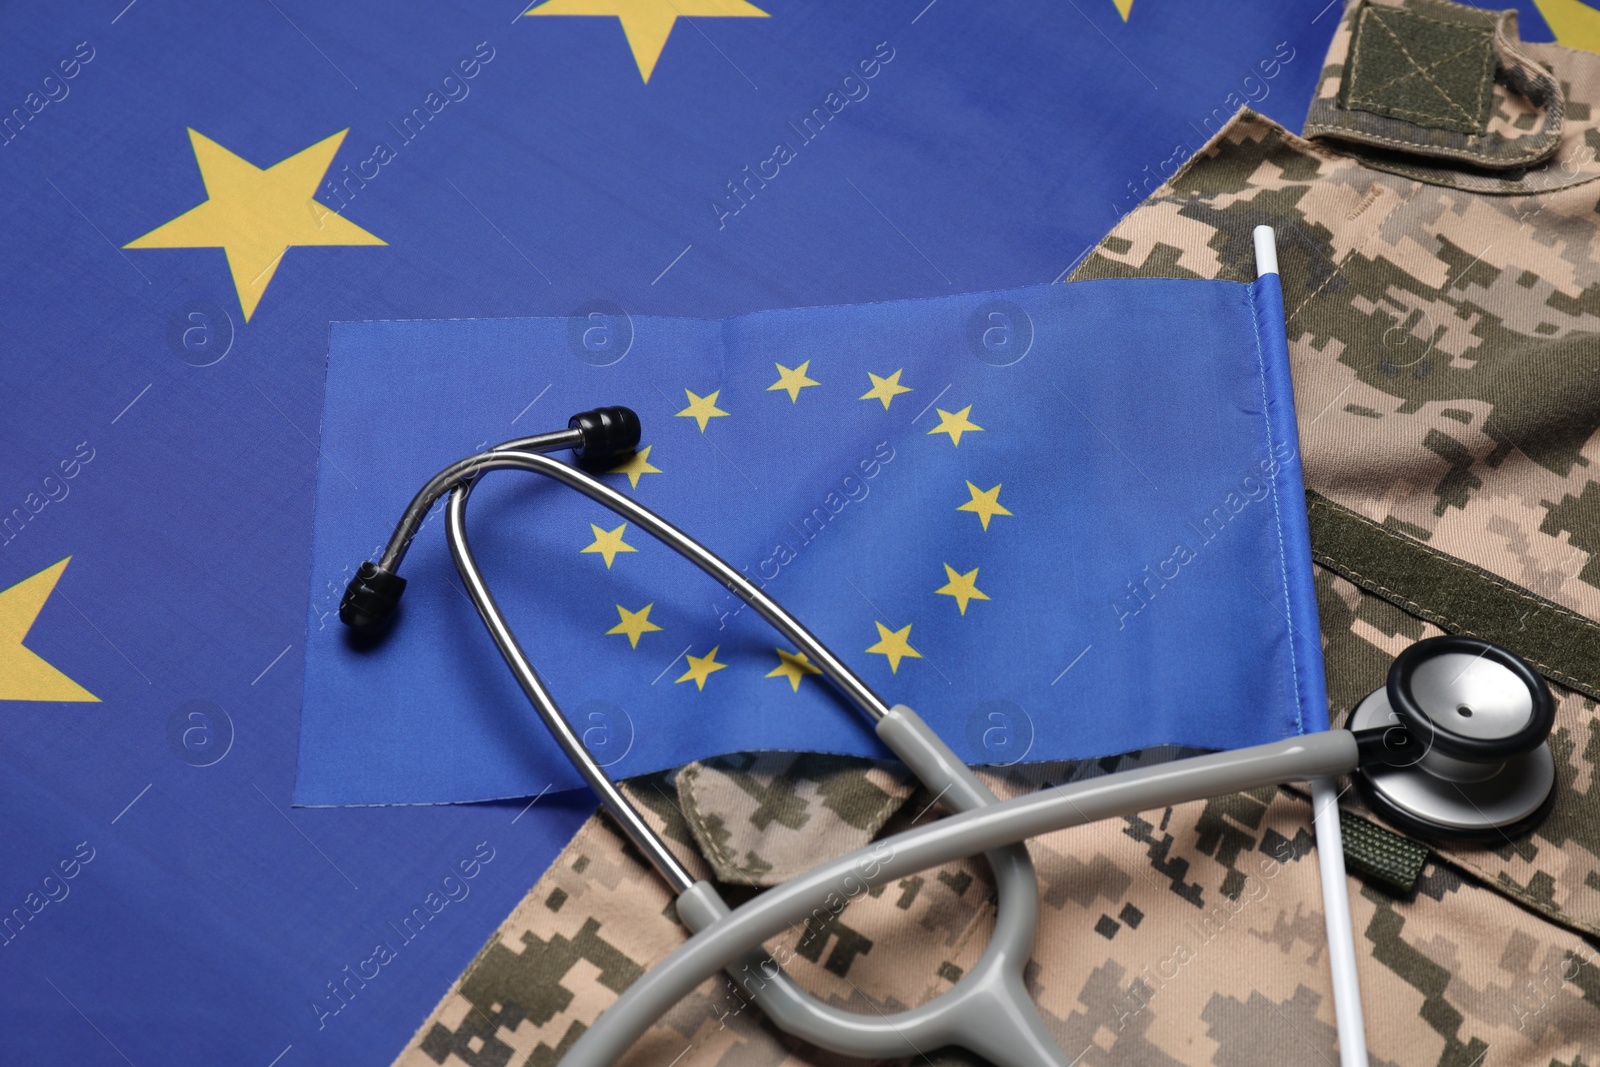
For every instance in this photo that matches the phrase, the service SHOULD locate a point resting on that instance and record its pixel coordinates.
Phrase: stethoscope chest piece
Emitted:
(1473, 720)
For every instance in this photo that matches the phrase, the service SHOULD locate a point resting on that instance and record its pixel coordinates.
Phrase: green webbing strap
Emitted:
(1371, 850)
(1455, 596)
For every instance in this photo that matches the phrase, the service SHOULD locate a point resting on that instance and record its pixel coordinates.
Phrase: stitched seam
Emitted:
(719, 856)
(967, 935)
(1372, 17)
(1400, 142)
(1435, 65)
(1416, 69)
(722, 857)
(1494, 880)
(1356, 249)
(1319, 153)
(1451, 179)
(1492, 579)
(1432, 616)
(880, 814)
(890, 805)
(1277, 511)
(1555, 100)
(1548, 909)
(1390, 109)
(1439, 618)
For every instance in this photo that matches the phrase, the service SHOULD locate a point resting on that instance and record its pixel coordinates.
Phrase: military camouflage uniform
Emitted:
(1440, 248)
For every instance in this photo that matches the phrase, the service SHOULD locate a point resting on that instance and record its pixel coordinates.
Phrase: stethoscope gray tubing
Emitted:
(988, 1011)
(951, 838)
(1436, 690)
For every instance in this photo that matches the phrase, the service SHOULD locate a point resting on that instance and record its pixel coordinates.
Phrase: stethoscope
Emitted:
(1453, 747)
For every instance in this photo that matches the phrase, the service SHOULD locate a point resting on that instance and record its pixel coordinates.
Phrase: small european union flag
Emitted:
(1061, 521)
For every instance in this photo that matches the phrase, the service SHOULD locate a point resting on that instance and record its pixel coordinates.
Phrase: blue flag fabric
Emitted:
(1059, 522)
(160, 394)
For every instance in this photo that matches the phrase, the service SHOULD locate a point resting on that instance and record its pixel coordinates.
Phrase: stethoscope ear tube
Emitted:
(369, 601)
(988, 1010)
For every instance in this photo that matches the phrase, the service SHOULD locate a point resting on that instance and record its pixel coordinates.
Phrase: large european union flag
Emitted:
(1061, 521)
(168, 298)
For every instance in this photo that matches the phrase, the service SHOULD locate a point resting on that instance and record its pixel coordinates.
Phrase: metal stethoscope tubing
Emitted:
(533, 686)
(988, 1011)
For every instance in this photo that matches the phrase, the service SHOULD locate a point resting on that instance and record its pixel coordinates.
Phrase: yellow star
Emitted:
(702, 408)
(792, 380)
(896, 644)
(648, 22)
(609, 543)
(964, 587)
(635, 624)
(1575, 24)
(701, 668)
(257, 215)
(793, 666)
(1123, 7)
(885, 389)
(24, 675)
(955, 424)
(985, 503)
(637, 467)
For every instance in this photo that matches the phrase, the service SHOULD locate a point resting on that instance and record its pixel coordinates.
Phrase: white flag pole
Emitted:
(1330, 845)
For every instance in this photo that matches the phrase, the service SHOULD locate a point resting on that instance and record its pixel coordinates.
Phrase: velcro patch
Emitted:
(1430, 71)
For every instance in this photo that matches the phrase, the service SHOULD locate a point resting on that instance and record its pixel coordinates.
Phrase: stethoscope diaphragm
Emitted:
(1472, 720)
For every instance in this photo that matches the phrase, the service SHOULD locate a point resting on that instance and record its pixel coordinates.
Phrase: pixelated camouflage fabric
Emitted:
(1445, 345)
(1446, 355)
(1189, 935)
(761, 818)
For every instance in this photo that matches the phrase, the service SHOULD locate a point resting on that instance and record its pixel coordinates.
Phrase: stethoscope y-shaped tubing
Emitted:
(989, 1009)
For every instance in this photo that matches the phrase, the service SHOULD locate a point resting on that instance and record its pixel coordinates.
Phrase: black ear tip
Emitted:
(610, 431)
(371, 598)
